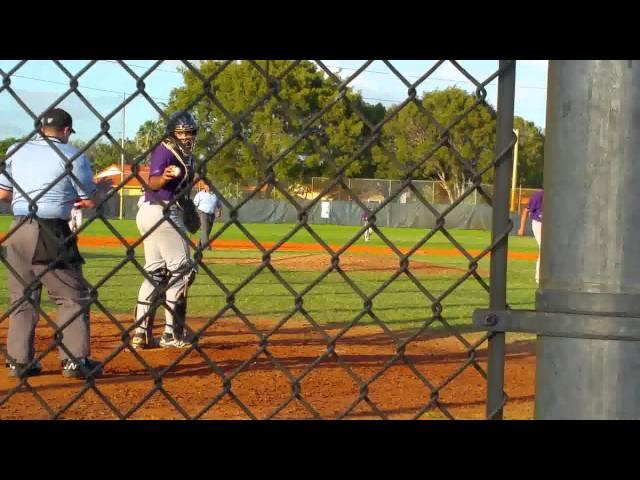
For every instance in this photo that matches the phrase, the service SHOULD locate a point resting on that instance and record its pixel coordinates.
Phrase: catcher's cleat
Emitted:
(139, 341)
(168, 340)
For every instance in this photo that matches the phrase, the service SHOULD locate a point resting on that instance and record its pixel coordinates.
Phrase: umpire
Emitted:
(209, 208)
(42, 251)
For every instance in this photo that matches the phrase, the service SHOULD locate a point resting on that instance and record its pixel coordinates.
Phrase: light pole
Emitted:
(124, 116)
(590, 271)
(515, 169)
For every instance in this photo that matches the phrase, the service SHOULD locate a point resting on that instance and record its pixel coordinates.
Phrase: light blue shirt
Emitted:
(35, 166)
(206, 201)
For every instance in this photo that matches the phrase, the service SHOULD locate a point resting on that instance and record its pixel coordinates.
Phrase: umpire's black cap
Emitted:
(58, 118)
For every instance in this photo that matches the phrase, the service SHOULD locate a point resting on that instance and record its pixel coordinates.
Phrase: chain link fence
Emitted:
(247, 375)
(377, 190)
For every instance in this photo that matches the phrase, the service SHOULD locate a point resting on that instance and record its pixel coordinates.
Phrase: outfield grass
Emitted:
(331, 234)
(401, 305)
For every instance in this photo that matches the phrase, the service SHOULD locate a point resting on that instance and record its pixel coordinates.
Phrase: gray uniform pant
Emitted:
(536, 226)
(66, 288)
(166, 249)
(206, 223)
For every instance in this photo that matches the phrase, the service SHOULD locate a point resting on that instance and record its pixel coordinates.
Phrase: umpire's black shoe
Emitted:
(19, 370)
(81, 368)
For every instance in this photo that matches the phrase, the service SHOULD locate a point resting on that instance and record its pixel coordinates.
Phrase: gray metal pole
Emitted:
(519, 198)
(590, 260)
(124, 123)
(500, 221)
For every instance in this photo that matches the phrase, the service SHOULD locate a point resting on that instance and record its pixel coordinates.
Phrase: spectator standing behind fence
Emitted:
(76, 219)
(43, 245)
(534, 211)
(209, 208)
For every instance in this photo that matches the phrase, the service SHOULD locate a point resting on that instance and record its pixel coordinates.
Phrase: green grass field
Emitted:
(401, 305)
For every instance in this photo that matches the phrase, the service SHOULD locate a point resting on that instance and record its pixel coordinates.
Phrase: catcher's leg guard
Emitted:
(145, 317)
(179, 316)
(177, 301)
(152, 295)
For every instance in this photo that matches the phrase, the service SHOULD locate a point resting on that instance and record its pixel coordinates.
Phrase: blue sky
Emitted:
(40, 82)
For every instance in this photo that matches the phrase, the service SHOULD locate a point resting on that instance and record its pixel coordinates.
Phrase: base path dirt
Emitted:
(261, 380)
(104, 241)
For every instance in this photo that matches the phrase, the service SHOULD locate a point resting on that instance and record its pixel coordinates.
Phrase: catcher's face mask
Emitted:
(185, 139)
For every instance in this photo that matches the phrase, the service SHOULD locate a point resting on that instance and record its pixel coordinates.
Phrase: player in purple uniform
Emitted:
(534, 210)
(166, 251)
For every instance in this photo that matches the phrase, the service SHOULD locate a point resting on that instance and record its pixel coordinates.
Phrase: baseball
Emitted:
(174, 170)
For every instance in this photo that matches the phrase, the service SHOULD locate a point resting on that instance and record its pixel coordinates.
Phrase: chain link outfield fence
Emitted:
(307, 358)
(402, 211)
(339, 212)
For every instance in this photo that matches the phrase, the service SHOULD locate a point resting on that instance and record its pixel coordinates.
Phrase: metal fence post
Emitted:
(591, 241)
(500, 221)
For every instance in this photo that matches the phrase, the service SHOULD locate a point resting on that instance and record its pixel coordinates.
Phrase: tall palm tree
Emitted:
(148, 135)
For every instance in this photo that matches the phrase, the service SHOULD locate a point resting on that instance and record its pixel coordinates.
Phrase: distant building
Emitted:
(133, 187)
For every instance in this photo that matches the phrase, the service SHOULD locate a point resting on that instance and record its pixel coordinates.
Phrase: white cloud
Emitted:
(369, 84)
(15, 120)
(176, 64)
(538, 64)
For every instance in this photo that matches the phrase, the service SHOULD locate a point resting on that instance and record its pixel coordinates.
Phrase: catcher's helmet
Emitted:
(182, 128)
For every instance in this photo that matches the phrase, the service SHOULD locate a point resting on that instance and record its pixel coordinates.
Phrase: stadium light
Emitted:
(515, 169)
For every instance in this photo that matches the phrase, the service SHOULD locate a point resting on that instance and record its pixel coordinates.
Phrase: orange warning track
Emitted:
(305, 247)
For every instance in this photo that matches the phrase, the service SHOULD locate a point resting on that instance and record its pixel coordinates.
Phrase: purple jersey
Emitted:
(535, 206)
(364, 217)
(161, 158)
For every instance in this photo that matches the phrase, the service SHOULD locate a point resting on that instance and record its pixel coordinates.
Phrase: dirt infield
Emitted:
(348, 263)
(86, 241)
(262, 387)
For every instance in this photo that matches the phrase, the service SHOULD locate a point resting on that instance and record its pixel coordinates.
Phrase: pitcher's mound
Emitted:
(348, 263)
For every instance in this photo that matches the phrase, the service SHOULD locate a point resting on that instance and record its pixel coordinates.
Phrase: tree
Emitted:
(411, 136)
(530, 153)
(6, 143)
(101, 154)
(274, 124)
(374, 114)
(148, 135)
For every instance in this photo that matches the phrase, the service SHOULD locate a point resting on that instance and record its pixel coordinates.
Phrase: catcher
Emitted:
(166, 251)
